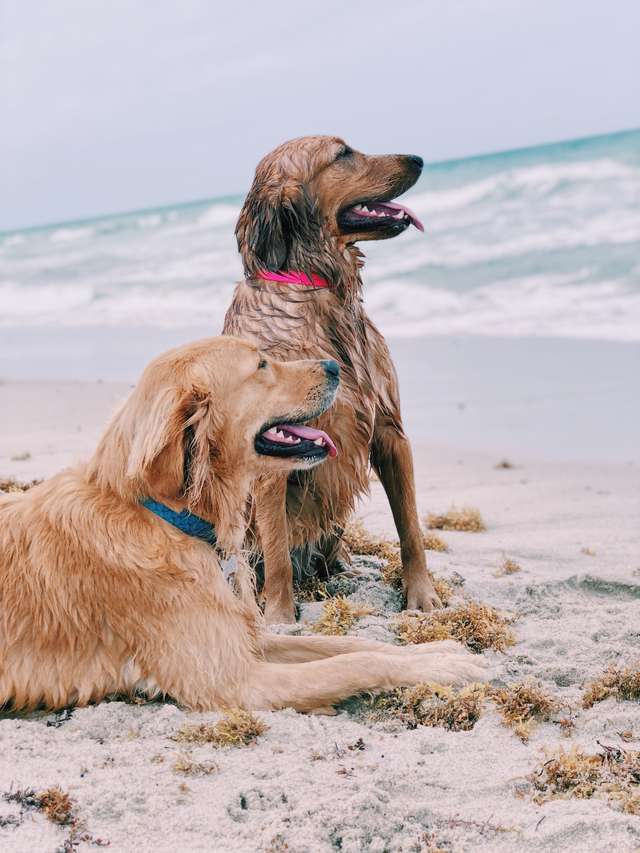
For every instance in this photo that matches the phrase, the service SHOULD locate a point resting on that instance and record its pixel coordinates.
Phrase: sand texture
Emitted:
(357, 781)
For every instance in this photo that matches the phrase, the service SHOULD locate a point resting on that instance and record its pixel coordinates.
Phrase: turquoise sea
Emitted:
(539, 242)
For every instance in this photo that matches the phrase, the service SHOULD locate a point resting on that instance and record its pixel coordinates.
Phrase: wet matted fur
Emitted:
(99, 596)
(299, 216)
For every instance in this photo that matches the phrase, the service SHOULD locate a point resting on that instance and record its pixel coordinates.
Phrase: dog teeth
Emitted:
(319, 442)
(399, 214)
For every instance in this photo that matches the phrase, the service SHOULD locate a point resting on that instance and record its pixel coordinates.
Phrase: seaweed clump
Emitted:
(431, 705)
(187, 765)
(433, 542)
(612, 775)
(620, 683)
(339, 615)
(11, 485)
(360, 541)
(508, 567)
(237, 728)
(467, 520)
(478, 626)
(522, 705)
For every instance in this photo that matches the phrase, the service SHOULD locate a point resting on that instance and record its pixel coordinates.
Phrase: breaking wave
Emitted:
(538, 242)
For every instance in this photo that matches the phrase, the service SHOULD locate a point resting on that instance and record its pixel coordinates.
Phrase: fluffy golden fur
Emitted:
(99, 596)
(294, 219)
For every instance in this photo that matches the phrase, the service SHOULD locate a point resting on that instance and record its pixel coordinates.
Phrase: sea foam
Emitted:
(539, 242)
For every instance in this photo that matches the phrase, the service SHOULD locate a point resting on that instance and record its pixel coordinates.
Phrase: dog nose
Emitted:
(331, 368)
(417, 161)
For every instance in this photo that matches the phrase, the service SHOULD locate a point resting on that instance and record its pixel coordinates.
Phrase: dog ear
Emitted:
(155, 453)
(203, 435)
(175, 446)
(274, 220)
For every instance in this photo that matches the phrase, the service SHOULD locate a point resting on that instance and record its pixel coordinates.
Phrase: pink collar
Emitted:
(294, 278)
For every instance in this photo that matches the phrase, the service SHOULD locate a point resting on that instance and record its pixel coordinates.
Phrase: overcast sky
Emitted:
(110, 105)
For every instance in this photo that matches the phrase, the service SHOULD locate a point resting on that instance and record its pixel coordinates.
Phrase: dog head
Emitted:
(312, 197)
(211, 416)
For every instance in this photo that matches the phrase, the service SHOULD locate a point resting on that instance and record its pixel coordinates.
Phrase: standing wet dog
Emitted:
(110, 580)
(311, 201)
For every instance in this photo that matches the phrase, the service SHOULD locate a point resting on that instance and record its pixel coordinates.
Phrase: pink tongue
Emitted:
(406, 210)
(311, 434)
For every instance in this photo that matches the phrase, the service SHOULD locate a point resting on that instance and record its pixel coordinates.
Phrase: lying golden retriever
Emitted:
(311, 201)
(110, 581)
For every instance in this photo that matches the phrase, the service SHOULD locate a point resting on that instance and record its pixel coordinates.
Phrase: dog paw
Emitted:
(421, 594)
(434, 647)
(454, 668)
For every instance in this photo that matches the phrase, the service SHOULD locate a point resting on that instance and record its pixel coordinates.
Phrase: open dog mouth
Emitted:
(294, 440)
(371, 215)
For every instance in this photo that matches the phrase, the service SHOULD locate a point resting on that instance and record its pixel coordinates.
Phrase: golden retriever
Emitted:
(311, 201)
(100, 595)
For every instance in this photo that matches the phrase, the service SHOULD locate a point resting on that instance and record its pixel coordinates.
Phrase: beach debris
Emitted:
(186, 764)
(10, 484)
(21, 457)
(588, 552)
(478, 626)
(58, 807)
(508, 567)
(622, 684)
(433, 542)
(236, 728)
(504, 465)
(312, 588)
(567, 724)
(360, 541)
(339, 615)
(522, 705)
(428, 704)
(467, 519)
(53, 802)
(60, 718)
(612, 775)
(277, 844)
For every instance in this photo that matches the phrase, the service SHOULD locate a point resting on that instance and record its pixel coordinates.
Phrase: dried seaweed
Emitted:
(478, 626)
(431, 705)
(616, 682)
(236, 728)
(466, 519)
(339, 615)
(612, 775)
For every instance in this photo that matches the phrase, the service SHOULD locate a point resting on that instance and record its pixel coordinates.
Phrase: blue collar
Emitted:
(185, 521)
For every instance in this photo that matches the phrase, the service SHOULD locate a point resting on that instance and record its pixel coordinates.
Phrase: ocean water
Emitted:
(539, 242)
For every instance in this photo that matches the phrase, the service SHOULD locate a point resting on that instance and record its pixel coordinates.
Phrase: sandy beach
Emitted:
(345, 782)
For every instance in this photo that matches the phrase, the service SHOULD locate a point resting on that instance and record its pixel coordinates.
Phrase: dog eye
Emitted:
(344, 153)
(262, 364)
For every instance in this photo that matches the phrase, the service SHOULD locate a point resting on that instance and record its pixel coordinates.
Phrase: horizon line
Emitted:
(228, 196)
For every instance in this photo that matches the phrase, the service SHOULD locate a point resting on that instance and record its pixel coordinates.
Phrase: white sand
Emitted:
(406, 789)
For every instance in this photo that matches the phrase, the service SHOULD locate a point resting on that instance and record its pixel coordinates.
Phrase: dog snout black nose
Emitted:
(331, 368)
(417, 161)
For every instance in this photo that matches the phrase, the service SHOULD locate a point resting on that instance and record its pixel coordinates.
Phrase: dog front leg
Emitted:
(280, 648)
(392, 460)
(319, 684)
(271, 520)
